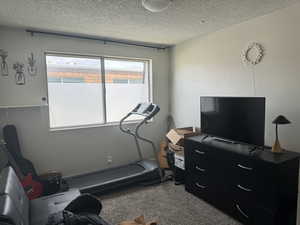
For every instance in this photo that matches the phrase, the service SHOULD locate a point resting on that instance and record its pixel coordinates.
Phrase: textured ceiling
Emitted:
(127, 19)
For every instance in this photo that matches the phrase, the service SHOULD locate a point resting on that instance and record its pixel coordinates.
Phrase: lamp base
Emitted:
(276, 148)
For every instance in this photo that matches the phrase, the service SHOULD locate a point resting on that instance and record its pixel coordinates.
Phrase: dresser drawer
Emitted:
(204, 178)
(209, 190)
(265, 197)
(200, 154)
(251, 214)
(199, 186)
(216, 172)
(201, 166)
(254, 177)
(204, 156)
(199, 151)
(248, 166)
(256, 189)
(255, 180)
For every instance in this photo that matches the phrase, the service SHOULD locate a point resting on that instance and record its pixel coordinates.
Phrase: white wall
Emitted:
(212, 65)
(74, 151)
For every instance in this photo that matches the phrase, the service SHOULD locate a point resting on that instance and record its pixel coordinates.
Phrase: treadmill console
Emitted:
(146, 109)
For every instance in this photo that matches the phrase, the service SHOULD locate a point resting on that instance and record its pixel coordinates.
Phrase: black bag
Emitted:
(85, 203)
(84, 210)
(68, 218)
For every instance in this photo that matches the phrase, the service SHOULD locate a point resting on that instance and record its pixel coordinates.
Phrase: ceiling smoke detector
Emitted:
(156, 5)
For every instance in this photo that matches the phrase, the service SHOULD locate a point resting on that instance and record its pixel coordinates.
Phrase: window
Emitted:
(122, 96)
(85, 91)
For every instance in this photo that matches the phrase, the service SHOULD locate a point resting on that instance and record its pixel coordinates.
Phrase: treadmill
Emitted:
(141, 171)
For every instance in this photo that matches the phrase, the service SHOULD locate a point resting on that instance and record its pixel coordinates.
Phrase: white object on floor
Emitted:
(179, 161)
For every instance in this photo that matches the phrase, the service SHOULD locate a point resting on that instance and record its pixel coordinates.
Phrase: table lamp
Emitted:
(280, 120)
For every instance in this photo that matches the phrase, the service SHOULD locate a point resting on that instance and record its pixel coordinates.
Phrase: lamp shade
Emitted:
(281, 120)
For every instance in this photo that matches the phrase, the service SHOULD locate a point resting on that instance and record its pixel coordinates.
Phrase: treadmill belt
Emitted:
(98, 178)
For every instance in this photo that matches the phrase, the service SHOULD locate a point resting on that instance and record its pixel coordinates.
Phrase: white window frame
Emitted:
(101, 58)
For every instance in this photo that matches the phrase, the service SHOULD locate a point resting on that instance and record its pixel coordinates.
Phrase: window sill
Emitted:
(58, 129)
(22, 106)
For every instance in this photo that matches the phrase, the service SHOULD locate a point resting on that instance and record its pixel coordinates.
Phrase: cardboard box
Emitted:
(162, 155)
(177, 135)
(176, 148)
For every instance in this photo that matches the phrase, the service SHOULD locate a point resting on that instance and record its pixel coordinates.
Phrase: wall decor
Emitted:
(31, 68)
(20, 76)
(4, 66)
(253, 54)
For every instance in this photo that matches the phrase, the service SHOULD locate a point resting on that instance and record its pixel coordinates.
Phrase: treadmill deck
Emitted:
(110, 177)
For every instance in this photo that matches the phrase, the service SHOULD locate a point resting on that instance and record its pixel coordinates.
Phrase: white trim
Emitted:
(54, 53)
(22, 106)
(111, 124)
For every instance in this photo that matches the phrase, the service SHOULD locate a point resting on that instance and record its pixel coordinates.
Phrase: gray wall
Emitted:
(73, 151)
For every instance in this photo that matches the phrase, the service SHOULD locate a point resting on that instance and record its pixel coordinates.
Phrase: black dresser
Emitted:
(255, 187)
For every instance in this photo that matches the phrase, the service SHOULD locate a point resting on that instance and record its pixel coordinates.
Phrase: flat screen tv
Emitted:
(239, 119)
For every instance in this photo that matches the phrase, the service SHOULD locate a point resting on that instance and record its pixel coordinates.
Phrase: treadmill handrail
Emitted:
(135, 132)
(127, 130)
(135, 111)
(139, 137)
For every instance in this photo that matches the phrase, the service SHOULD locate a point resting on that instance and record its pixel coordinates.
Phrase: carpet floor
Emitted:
(165, 203)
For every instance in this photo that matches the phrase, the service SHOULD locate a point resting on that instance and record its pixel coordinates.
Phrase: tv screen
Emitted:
(240, 119)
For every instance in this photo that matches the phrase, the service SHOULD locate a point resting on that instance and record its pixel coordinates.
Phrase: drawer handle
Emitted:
(200, 186)
(241, 211)
(199, 152)
(244, 167)
(200, 169)
(243, 188)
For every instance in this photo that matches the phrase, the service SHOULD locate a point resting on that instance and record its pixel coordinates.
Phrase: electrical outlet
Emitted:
(109, 159)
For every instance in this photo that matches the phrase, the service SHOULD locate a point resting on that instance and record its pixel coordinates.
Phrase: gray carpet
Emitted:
(166, 203)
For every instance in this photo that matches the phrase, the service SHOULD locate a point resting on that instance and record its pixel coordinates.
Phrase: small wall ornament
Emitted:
(31, 68)
(4, 66)
(253, 54)
(20, 76)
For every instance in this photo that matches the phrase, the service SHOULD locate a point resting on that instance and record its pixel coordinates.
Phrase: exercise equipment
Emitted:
(141, 171)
